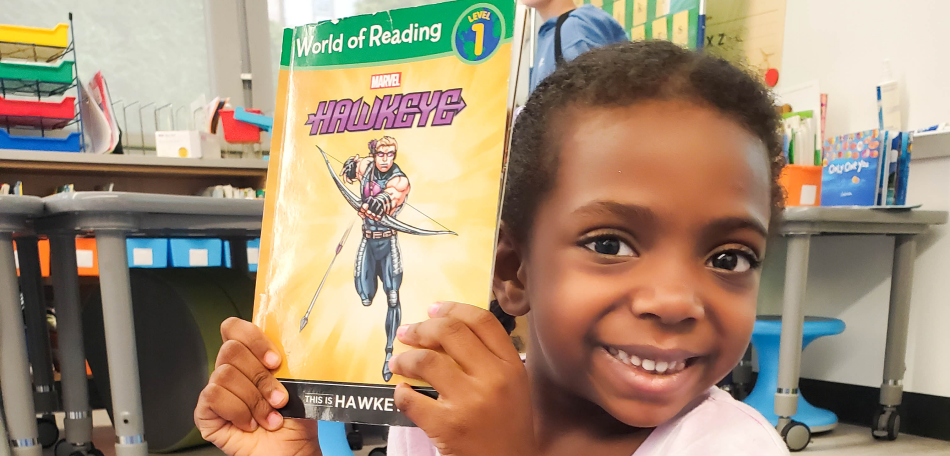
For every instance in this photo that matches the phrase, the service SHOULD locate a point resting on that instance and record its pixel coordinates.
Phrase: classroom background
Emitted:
(176, 64)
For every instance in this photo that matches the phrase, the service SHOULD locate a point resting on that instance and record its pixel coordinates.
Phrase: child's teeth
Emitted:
(635, 360)
(648, 364)
(621, 355)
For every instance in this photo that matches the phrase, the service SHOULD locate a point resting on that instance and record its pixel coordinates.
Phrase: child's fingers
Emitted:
(483, 324)
(434, 368)
(246, 333)
(228, 407)
(233, 380)
(452, 336)
(236, 354)
(419, 408)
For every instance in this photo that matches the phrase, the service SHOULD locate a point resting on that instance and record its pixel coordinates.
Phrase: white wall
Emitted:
(149, 51)
(842, 43)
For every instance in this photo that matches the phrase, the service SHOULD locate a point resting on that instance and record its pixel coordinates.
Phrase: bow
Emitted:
(385, 220)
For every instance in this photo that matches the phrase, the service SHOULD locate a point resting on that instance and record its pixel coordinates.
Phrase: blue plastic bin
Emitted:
(195, 253)
(253, 254)
(147, 253)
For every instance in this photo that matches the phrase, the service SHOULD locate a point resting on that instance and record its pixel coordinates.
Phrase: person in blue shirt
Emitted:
(581, 29)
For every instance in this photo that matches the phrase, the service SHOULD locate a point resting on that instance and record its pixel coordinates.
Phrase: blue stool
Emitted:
(332, 437)
(765, 339)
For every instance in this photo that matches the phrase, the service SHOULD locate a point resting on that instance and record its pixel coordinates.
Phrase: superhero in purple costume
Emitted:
(384, 188)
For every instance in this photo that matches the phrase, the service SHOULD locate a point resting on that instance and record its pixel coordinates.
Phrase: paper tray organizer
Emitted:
(33, 43)
(38, 114)
(37, 78)
(37, 143)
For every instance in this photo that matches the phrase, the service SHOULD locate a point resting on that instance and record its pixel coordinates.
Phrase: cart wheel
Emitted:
(62, 448)
(378, 452)
(796, 436)
(887, 424)
(355, 440)
(47, 430)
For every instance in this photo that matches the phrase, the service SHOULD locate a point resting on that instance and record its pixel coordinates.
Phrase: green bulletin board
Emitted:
(679, 21)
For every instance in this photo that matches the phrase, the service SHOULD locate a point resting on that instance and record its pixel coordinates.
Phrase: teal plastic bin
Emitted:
(147, 253)
(195, 253)
(253, 254)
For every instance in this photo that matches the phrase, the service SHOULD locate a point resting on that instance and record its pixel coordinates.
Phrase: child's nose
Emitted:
(670, 305)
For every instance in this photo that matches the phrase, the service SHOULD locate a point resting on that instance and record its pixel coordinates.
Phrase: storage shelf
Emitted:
(129, 164)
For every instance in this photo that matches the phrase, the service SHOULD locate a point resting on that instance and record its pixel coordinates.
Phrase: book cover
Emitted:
(383, 193)
(851, 172)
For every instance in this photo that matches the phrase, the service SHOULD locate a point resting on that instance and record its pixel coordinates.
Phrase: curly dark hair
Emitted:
(620, 75)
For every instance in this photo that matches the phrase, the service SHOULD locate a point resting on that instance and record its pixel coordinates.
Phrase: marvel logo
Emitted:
(385, 81)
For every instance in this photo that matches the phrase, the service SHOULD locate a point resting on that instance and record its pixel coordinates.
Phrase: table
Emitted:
(112, 217)
(800, 224)
(15, 215)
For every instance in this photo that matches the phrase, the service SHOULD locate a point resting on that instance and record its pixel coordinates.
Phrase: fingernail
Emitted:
(274, 419)
(434, 309)
(401, 331)
(272, 359)
(392, 362)
(253, 425)
(275, 397)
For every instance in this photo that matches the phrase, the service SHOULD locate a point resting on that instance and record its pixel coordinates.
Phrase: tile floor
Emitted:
(846, 440)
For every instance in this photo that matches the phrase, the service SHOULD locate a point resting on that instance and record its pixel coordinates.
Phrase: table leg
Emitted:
(72, 353)
(790, 346)
(887, 420)
(37, 333)
(14, 365)
(238, 248)
(120, 344)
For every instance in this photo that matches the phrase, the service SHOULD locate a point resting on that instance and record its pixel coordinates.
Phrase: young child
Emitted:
(581, 29)
(642, 183)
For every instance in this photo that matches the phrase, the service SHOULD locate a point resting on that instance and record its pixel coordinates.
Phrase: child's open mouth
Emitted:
(645, 370)
(660, 367)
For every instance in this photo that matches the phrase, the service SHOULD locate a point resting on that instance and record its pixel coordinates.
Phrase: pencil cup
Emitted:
(802, 185)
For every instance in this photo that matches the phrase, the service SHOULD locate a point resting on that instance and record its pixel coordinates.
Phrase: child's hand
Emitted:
(484, 406)
(232, 411)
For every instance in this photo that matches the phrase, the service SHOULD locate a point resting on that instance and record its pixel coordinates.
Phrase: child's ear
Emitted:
(509, 279)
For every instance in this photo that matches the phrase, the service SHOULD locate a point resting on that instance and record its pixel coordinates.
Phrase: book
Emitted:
(852, 169)
(383, 193)
(903, 169)
(890, 169)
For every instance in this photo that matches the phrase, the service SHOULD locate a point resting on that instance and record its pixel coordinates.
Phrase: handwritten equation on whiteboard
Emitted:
(746, 32)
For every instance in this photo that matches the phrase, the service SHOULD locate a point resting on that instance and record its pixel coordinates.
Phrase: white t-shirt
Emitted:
(716, 425)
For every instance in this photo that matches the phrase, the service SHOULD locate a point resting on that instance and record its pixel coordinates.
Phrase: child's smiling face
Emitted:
(645, 252)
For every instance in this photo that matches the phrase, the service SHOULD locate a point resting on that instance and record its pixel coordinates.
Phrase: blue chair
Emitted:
(332, 435)
(765, 339)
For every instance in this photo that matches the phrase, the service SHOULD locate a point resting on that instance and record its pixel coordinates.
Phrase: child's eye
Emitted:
(609, 245)
(736, 260)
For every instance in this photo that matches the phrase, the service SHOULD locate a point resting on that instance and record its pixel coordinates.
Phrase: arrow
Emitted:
(339, 247)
